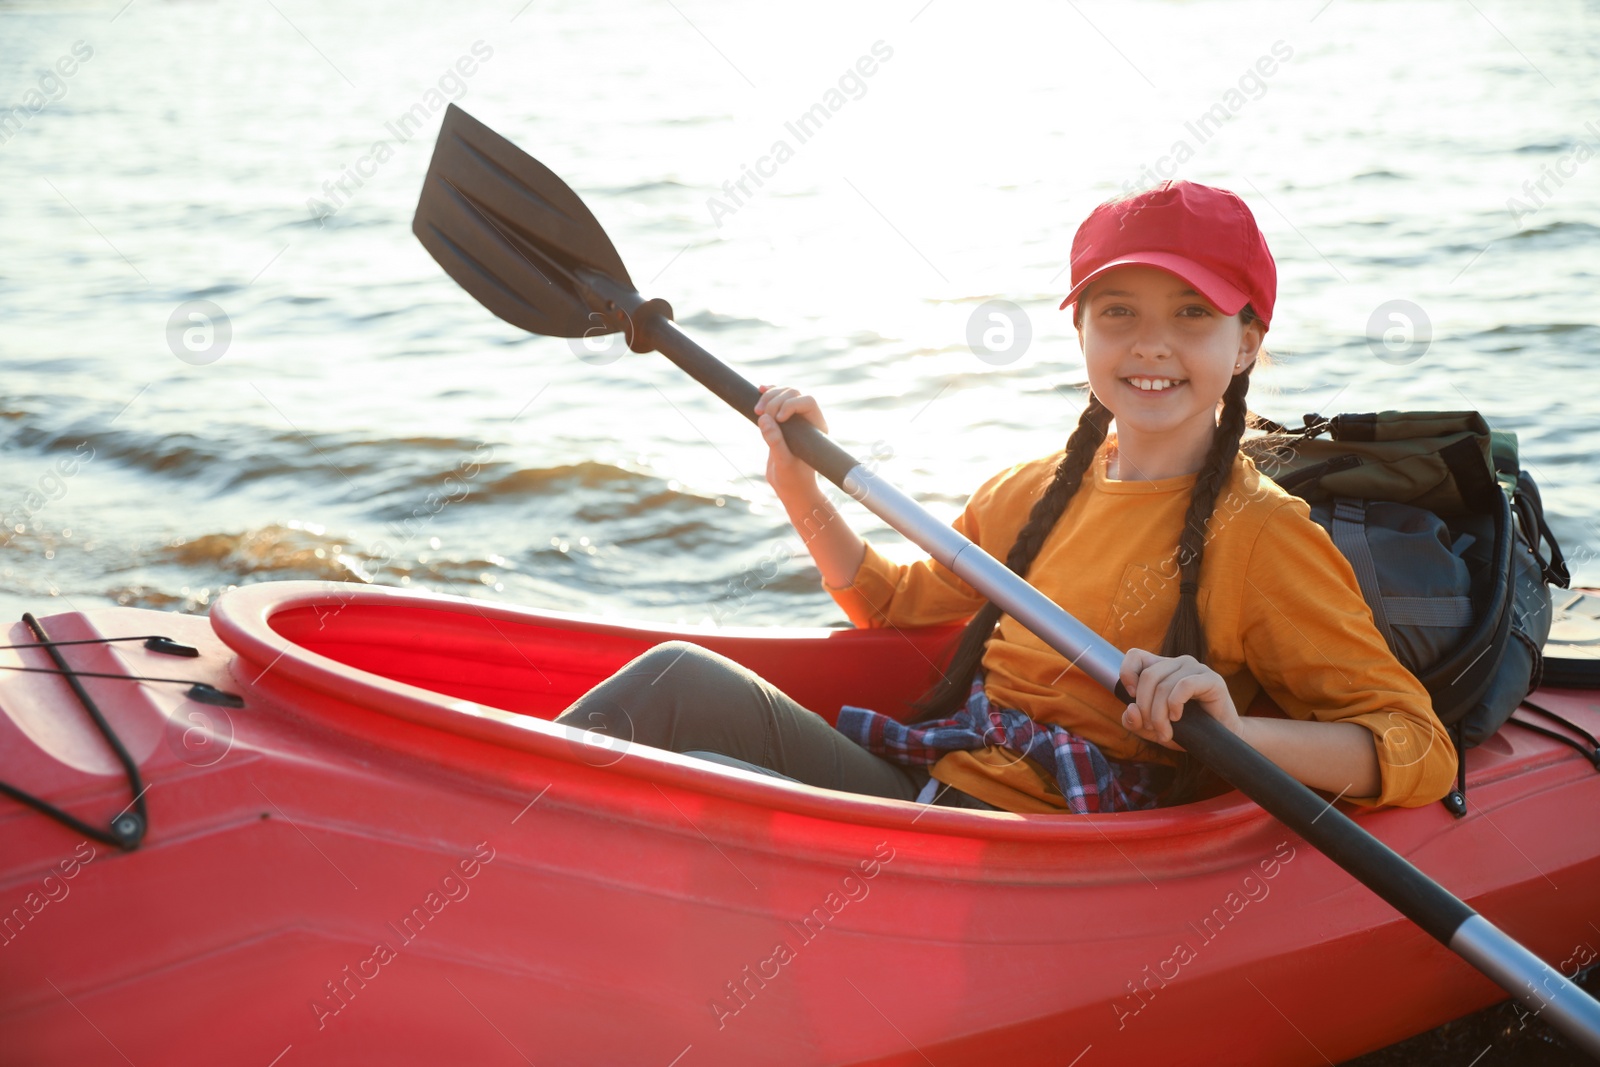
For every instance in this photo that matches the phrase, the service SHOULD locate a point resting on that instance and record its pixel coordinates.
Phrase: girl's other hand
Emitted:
(789, 477)
(1162, 685)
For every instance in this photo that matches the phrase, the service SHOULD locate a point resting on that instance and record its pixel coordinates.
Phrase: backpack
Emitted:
(1447, 537)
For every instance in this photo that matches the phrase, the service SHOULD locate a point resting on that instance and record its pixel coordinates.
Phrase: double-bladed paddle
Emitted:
(518, 239)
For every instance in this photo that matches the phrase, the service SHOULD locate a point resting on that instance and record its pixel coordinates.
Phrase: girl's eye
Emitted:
(1115, 309)
(1196, 311)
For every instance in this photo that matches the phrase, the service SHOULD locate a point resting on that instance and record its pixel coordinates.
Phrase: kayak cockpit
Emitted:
(538, 663)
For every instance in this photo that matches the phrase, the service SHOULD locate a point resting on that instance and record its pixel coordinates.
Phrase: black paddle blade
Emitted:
(513, 234)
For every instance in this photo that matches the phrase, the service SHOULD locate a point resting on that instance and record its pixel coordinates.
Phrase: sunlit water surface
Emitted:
(367, 419)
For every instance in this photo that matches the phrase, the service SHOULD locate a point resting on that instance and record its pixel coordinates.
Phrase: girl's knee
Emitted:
(684, 662)
(664, 654)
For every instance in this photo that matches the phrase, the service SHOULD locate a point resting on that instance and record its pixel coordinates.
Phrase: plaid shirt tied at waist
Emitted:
(1087, 779)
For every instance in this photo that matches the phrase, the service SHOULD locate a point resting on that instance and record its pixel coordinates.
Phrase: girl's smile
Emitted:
(1153, 385)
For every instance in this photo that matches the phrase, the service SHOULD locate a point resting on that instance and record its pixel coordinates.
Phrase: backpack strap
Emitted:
(1455, 801)
(1591, 751)
(1555, 572)
(1354, 427)
(1530, 512)
(1349, 531)
(1449, 611)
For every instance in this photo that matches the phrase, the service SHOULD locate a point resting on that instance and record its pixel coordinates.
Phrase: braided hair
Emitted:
(1185, 635)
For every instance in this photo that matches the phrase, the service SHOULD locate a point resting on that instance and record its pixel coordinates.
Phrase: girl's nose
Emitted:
(1151, 341)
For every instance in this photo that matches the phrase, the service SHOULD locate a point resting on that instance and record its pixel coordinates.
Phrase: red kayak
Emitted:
(387, 853)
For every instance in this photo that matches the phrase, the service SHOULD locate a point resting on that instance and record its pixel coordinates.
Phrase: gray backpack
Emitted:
(1446, 535)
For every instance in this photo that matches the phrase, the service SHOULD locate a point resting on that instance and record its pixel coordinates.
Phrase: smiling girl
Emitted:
(1151, 527)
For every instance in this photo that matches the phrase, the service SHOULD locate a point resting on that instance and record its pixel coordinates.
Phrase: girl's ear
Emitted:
(1249, 346)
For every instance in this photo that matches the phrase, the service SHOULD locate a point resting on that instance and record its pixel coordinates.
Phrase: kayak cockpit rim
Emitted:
(243, 619)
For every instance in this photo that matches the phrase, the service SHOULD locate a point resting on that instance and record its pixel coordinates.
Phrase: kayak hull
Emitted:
(389, 854)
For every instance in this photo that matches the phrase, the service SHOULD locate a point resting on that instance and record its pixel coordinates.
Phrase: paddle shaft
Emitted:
(1411, 892)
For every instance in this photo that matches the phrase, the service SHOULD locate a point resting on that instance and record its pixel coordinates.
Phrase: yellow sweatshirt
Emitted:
(1280, 605)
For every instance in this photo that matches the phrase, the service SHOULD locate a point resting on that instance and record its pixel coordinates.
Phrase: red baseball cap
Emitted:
(1204, 235)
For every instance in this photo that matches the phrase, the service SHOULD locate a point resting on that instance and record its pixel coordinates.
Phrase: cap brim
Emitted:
(1227, 299)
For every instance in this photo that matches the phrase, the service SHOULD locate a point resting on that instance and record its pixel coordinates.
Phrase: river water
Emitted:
(366, 419)
(343, 410)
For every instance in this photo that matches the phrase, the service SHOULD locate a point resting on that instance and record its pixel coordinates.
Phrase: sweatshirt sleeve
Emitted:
(924, 593)
(1309, 639)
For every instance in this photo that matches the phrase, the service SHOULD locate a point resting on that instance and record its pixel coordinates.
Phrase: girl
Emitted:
(1161, 535)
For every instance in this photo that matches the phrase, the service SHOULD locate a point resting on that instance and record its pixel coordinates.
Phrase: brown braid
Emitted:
(1185, 635)
(950, 692)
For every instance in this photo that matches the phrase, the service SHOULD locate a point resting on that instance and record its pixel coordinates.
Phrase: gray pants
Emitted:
(683, 698)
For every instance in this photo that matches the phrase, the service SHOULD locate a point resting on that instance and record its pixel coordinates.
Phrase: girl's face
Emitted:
(1159, 354)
